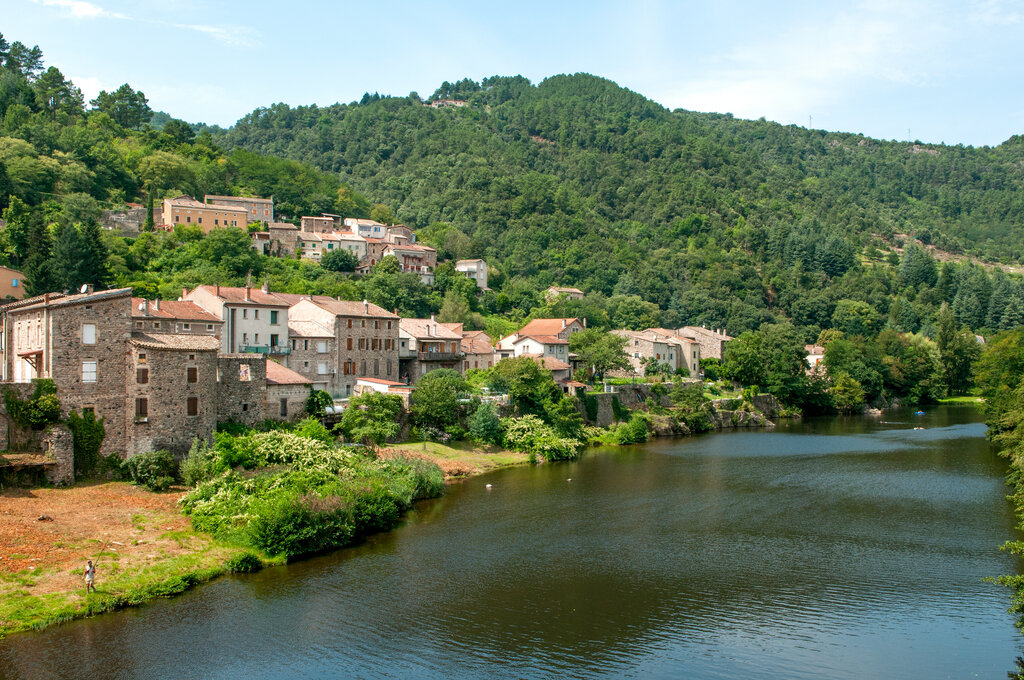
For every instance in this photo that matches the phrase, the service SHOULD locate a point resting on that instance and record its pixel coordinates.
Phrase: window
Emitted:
(187, 326)
(295, 344)
(199, 220)
(245, 338)
(321, 368)
(273, 340)
(389, 325)
(89, 371)
(362, 323)
(256, 314)
(376, 366)
(284, 408)
(14, 282)
(88, 334)
(364, 367)
(156, 324)
(192, 406)
(209, 327)
(387, 344)
(321, 346)
(245, 313)
(188, 219)
(305, 364)
(245, 407)
(376, 324)
(243, 373)
(256, 338)
(192, 374)
(138, 324)
(216, 221)
(142, 376)
(350, 326)
(142, 357)
(191, 357)
(389, 367)
(362, 343)
(350, 343)
(141, 409)
(273, 317)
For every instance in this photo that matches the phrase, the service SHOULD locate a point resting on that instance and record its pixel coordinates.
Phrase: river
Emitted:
(831, 548)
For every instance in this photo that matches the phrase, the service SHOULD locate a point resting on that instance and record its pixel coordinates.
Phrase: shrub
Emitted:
(591, 406)
(317, 402)
(312, 428)
(485, 426)
(634, 431)
(200, 464)
(154, 470)
(699, 421)
(88, 434)
(39, 410)
(618, 411)
(244, 563)
(533, 436)
(428, 480)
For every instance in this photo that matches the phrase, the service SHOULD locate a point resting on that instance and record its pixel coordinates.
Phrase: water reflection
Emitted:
(831, 548)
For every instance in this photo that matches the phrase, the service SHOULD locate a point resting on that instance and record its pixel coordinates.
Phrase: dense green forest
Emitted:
(664, 218)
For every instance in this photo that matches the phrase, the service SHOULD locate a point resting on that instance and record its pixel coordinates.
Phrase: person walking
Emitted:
(90, 577)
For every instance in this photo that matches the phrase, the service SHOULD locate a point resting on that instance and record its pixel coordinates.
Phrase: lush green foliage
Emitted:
(154, 470)
(484, 425)
(532, 435)
(88, 434)
(599, 351)
(39, 410)
(371, 418)
(438, 399)
(317, 402)
(633, 431)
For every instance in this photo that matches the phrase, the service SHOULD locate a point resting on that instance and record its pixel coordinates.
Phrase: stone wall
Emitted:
(125, 222)
(106, 396)
(58, 443)
(295, 398)
(166, 390)
(241, 388)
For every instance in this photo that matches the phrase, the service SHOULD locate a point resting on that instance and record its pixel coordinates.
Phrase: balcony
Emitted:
(266, 349)
(440, 356)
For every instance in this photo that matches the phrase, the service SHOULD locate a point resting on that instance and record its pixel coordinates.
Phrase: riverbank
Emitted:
(141, 543)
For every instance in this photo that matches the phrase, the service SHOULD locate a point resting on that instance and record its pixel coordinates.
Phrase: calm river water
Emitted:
(837, 548)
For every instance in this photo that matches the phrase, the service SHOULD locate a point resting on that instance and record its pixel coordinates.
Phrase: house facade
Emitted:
(255, 319)
(426, 345)
(712, 341)
(287, 392)
(365, 342)
(12, 284)
(476, 270)
(187, 210)
(257, 209)
(560, 328)
(555, 292)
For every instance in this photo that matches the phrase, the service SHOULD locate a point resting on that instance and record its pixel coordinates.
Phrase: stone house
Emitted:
(309, 245)
(541, 345)
(314, 349)
(315, 225)
(475, 270)
(561, 328)
(369, 385)
(172, 391)
(127, 221)
(78, 341)
(286, 393)
(712, 341)
(425, 345)
(366, 228)
(554, 292)
(255, 319)
(241, 388)
(476, 345)
(688, 350)
(283, 239)
(365, 339)
(187, 210)
(415, 259)
(182, 317)
(257, 209)
(561, 372)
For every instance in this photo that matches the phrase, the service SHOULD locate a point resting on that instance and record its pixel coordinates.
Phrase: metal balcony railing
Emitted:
(266, 349)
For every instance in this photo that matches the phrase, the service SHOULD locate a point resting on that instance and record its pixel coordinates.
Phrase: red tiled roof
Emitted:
(550, 363)
(545, 339)
(308, 329)
(177, 342)
(546, 326)
(379, 381)
(184, 310)
(427, 329)
(237, 296)
(476, 342)
(282, 375)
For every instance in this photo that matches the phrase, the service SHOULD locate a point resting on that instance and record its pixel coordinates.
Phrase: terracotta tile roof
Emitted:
(457, 327)
(814, 349)
(283, 225)
(254, 199)
(62, 300)
(704, 332)
(185, 310)
(308, 329)
(237, 296)
(550, 363)
(282, 375)
(545, 339)
(546, 326)
(566, 290)
(380, 381)
(427, 329)
(476, 342)
(176, 342)
(352, 308)
(469, 262)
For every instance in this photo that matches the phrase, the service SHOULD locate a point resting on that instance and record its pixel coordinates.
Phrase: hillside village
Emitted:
(165, 372)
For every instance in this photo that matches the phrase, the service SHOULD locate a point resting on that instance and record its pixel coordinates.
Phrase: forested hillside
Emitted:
(730, 222)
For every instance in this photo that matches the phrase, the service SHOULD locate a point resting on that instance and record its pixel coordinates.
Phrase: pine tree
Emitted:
(1013, 315)
(40, 272)
(1002, 292)
(94, 258)
(69, 259)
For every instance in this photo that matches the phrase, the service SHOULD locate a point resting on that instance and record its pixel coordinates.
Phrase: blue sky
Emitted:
(946, 71)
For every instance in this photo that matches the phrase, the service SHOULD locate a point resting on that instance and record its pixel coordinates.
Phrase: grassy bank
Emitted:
(962, 400)
(458, 460)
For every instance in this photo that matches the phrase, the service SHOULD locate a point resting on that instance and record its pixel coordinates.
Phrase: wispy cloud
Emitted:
(996, 13)
(232, 35)
(817, 64)
(79, 9)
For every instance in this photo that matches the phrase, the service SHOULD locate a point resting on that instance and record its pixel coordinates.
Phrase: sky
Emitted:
(942, 71)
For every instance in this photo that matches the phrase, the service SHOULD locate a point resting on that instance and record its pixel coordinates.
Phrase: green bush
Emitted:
(618, 411)
(428, 480)
(634, 431)
(531, 435)
(244, 563)
(39, 410)
(699, 421)
(317, 402)
(312, 428)
(289, 525)
(155, 470)
(484, 425)
(591, 406)
(200, 464)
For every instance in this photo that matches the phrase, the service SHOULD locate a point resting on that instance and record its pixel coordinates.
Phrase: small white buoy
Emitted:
(488, 486)
(569, 480)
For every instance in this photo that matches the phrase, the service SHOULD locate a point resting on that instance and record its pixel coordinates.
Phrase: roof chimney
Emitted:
(184, 292)
(266, 286)
(145, 307)
(156, 304)
(366, 306)
(563, 324)
(248, 293)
